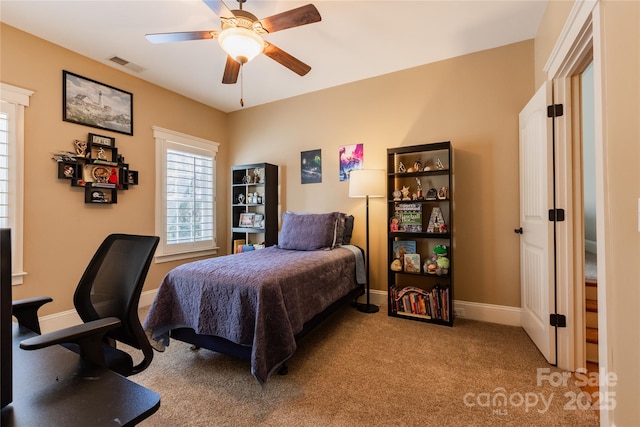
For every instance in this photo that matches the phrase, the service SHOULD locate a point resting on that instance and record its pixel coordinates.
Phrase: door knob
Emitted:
(518, 230)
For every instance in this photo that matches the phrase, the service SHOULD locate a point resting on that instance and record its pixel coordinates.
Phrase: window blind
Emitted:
(4, 170)
(189, 197)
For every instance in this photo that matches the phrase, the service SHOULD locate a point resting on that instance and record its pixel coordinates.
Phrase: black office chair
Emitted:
(107, 300)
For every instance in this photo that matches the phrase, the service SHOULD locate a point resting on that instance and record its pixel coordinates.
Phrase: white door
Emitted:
(536, 240)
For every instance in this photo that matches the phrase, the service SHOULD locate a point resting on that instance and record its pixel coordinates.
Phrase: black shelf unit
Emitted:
(100, 170)
(261, 180)
(424, 294)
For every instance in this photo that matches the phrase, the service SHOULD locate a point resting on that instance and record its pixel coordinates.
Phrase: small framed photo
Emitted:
(246, 219)
(258, 221)
(132, 177)
(105, 141)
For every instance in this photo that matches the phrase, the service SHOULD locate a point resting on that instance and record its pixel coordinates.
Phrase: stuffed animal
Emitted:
(438, 263)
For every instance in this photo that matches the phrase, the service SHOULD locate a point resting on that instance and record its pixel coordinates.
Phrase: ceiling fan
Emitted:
(241, 36)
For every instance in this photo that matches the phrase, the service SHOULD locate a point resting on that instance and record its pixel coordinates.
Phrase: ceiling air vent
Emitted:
(126, 64)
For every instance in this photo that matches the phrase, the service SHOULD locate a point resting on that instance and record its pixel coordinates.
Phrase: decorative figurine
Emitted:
(432, 194)
(401, 168)
(419, 194)
(443, 193)
(113, 178)
(417, 166)
(397, 195)
(439, 164)
(81, 147)
(98, 196)
(257, 178)
(405, 193)
(241, 198)
(101, 154)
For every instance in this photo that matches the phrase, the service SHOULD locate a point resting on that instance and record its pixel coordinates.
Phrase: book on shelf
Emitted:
(402, 247)
(412, 263)
(236, 245)
(410, 216)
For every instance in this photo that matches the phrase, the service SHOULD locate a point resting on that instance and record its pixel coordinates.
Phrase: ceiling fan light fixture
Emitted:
(240, 43)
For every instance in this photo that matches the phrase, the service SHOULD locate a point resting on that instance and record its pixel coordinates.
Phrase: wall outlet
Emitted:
(458, 312)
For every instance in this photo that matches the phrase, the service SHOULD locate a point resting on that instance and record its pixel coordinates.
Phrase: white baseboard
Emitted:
(64, 319)
(501, 314)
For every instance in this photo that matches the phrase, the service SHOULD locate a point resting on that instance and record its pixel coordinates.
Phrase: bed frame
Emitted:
(224, 346)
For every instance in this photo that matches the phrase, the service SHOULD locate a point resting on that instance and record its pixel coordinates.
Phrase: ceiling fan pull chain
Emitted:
(241, 84)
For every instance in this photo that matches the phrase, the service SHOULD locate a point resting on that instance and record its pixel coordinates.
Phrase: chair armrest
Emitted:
(88, 336)
(26, 311)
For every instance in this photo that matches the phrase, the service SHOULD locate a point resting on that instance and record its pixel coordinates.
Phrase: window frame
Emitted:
(19, 99)
(166, 139)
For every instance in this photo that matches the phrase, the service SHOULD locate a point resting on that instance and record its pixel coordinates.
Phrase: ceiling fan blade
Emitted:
(285, 59)
(231, 71)
(180, 37)
(219, 8)
(292, 18)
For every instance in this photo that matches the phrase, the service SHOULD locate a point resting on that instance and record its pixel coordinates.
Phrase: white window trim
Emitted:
(165, 137)
(20, 99)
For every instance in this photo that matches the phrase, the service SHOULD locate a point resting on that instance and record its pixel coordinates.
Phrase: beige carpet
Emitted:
(369, 369)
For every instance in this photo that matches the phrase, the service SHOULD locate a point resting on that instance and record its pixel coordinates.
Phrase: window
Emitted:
(12, 103)
(185, 195)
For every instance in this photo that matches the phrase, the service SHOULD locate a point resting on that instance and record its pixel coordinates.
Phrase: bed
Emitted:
(256, 305)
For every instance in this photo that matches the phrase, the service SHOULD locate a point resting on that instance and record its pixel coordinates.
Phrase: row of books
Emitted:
(240, 245)
(410, 300)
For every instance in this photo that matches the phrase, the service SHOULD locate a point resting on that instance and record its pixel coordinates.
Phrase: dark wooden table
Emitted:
(53, 387)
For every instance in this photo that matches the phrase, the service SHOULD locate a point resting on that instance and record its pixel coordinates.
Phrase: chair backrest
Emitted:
(112, 283)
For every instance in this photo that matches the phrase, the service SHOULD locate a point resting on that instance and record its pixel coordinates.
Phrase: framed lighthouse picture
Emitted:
(91, 103)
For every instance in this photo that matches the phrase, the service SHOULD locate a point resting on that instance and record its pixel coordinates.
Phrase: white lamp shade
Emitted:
(366, 182)
(240, 43)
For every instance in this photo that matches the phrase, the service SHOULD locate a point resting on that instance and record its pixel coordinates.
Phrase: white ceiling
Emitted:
(355, 40)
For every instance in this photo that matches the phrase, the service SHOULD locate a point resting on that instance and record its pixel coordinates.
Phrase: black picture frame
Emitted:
(311, 166)
(91, 103)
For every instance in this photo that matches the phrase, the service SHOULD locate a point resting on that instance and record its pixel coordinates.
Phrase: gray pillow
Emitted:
(307, 232)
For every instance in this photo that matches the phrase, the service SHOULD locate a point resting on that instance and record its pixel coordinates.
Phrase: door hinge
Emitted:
(558, 320)
(555, 110)
(556, 215)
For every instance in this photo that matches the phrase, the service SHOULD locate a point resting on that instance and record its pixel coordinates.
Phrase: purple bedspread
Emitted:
(259, 299)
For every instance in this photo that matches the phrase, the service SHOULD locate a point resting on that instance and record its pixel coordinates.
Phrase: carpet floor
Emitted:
(361, 369)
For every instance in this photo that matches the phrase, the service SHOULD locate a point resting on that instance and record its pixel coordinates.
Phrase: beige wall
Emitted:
(620, 82)
(473, 101)
(61, 232)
